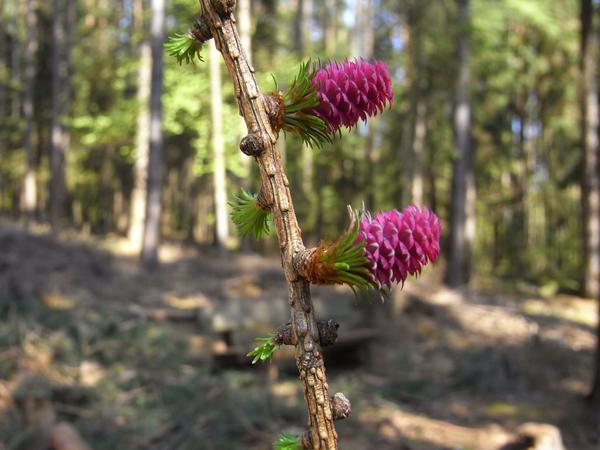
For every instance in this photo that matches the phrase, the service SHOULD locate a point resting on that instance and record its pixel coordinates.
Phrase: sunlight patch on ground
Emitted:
(396, 425)
(576, 310)
(57, 301)
(286, 392)
(195, 301)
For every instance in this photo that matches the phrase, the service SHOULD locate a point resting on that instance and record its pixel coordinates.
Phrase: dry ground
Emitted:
(155, 361)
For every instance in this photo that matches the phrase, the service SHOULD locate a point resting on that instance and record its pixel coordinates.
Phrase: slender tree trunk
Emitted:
(462, 213)
(329, 27)
(29, 185)
(3, 89)
(218, 146)
(591, 171)
(415, 130)
(15, 63)
(419, 149)
(245, 26)
(404, 192)
(140, 169)
(591, 150)
(366, 34)
(151, 237)
(298, 31)
(58, 150)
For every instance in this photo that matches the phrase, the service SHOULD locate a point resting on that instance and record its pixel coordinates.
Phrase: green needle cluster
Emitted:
(184, 48)
(248, 215)
(299, 99)
(348, 258)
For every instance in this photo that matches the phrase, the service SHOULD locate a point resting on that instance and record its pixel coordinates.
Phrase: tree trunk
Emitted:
(416, 124)
(63, 19)
(218, 146)
(462, 202)
(591, 175)
(329, 28)
(591, 149)
(29, 185)
(365, 32)
(3, 90)
(420, 131)
(15, 63)
(298, 32)
(151, 236)
(245, 26)
(140, 169)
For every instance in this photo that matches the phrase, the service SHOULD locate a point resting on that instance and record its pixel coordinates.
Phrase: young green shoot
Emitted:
(287, 442)
(264, 351)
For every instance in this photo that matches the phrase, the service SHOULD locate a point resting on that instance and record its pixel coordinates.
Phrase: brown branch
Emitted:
(276, 193)
(327, 333)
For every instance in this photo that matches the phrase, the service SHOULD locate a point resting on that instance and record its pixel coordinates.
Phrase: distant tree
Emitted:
(590, 120)
(3, 95)
(218, 147)
(62, 22)
(3, 88)
(142, 142)
(591, 174)
(29, 184)
(245, 26)
(151, 238)
(462, 201)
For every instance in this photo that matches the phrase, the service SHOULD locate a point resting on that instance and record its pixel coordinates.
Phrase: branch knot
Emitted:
(224, 7)
(200, 30)
(252, 145)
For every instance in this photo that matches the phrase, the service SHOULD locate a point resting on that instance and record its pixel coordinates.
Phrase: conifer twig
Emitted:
(275, 189)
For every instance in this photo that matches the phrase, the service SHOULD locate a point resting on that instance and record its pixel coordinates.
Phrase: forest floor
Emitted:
(156, 361)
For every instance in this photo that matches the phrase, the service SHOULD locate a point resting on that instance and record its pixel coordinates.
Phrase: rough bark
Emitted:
(29, 183)
(462, 210)
(275, 187)
(218, 148)
(151, 237)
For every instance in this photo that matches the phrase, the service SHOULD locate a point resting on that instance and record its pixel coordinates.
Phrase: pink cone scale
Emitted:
(351, 91)
(398, 244)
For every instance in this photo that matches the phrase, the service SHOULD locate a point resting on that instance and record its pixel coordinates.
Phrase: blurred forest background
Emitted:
(110, 150)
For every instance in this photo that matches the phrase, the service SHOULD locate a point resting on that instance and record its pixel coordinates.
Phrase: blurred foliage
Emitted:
(525, 123)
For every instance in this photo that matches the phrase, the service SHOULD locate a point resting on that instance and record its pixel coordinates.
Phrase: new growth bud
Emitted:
(320, 101)
(375, 252)
(398, 244)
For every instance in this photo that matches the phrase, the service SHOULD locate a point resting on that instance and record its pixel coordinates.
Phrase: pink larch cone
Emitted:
(398, 244)
(351, 91)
